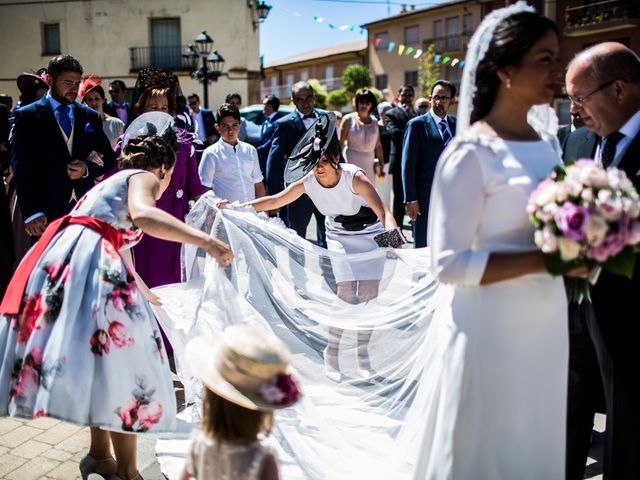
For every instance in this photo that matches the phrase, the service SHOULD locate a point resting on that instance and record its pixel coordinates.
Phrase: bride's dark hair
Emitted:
(512, 39)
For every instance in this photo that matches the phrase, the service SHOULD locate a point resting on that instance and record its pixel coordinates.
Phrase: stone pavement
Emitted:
(50, 449)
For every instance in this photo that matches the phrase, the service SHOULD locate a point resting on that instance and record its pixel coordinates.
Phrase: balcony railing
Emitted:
(169, 58)
(602, 15)
(449, 43)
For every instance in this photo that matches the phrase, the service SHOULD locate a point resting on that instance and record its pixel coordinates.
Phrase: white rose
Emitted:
(593, 175)
(573, 187)
(587, 195)
(618, 179)
(569, 250)
(547, 212)
(597, 228)
(546, 194)
(546, 240)
(631, 207)
(609, 205)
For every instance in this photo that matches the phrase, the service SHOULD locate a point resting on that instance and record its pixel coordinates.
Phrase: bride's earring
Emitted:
(162, 174)
(508, 83)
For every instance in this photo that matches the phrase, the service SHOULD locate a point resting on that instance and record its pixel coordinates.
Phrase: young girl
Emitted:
(247, 380)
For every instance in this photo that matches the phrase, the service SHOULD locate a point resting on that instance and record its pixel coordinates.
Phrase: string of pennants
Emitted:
(417, 53)
(402, 49)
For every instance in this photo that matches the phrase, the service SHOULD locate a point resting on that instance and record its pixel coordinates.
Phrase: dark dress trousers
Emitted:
(396, 122)
(288, 131)
(39, 157)
(422, 146)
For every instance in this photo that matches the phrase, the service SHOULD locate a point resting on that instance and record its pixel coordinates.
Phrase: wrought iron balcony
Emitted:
(601, 17)
(169, 58)
(449, 43)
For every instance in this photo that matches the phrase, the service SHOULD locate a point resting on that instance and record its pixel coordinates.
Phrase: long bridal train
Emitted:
(369, 420)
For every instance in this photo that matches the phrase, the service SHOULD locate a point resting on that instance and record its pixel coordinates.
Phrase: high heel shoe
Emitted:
(88, 465)
(363, 369)
(331, 366)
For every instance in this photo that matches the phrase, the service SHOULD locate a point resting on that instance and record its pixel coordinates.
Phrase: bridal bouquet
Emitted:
(586, 215)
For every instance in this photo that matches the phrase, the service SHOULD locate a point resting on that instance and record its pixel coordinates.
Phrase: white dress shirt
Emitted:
(199, 122)
(231, 171)
(307, 122)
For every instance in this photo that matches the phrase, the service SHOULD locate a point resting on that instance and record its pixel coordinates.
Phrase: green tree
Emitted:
(337, 98)
(320, 91)
(428, 72)
(355, 77)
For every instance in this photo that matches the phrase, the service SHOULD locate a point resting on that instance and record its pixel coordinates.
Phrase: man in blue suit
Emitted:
(424, 140)
(58, 148)
(288, 131)
(271, 115)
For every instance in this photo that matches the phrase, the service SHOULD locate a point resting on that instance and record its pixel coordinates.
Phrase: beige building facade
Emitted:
(325, 65)
(448, 27)
(115, 38)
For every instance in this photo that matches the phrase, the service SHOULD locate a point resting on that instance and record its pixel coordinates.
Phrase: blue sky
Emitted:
(290, 28)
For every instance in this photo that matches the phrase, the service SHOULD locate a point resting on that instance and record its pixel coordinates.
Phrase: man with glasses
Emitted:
(118, 106)
(425, 139)
(203, 120)
(230, 167)
(288, 131)
(603, 84)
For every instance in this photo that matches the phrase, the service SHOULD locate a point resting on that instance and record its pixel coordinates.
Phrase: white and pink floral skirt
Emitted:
(85, 347)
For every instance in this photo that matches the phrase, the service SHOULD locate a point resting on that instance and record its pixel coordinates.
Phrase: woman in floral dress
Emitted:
(78, 340)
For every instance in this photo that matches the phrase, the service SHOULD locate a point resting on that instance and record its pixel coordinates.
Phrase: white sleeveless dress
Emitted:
(343, 200)
(500, 410)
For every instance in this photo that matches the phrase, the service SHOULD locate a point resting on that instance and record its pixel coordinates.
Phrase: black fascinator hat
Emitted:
(310, 148)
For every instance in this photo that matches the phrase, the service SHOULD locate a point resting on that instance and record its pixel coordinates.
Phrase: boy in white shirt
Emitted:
(231, 167)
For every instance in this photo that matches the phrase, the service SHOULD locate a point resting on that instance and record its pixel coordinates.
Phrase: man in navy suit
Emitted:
(118, 106)
(58, 148)
(288, 131)
(603, 84)
(204, 120)
(424, 140)
(271, 114)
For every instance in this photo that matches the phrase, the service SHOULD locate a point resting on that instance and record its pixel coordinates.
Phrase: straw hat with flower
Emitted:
(247, 366)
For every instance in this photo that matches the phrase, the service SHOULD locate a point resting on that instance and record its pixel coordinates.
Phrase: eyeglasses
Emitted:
(579, 101)
(423, 107)
(438, 98)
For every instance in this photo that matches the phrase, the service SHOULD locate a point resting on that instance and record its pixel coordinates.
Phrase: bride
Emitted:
(503, 393)
(473, 367)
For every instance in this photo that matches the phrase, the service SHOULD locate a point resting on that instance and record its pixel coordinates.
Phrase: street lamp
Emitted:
(261, 10)
(212, 62)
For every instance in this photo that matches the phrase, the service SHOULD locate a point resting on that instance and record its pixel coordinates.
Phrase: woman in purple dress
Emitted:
(158, 261)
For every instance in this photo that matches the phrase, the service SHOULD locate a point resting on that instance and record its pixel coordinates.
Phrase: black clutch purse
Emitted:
(390, 238)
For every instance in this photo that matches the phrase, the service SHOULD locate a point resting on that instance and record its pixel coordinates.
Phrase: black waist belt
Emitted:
(365, 217)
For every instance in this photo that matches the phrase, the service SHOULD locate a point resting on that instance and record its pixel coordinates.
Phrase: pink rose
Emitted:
(119, 335)
(100, 342)
(149, 415)
(572, 221)
(612, 244)
(633, 233)
(129, 413)
(546, 240)
(32, 311)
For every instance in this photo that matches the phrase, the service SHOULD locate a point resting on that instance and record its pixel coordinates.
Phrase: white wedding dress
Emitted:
(501, 406)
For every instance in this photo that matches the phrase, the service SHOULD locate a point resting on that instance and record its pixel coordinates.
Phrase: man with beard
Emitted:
(58, 148)
(426, 137)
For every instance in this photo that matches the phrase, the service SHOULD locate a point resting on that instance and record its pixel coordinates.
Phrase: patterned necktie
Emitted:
(609, 151)
(64, 120)
(446, 136)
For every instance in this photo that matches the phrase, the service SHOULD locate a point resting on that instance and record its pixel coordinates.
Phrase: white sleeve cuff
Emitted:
(34, 216)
